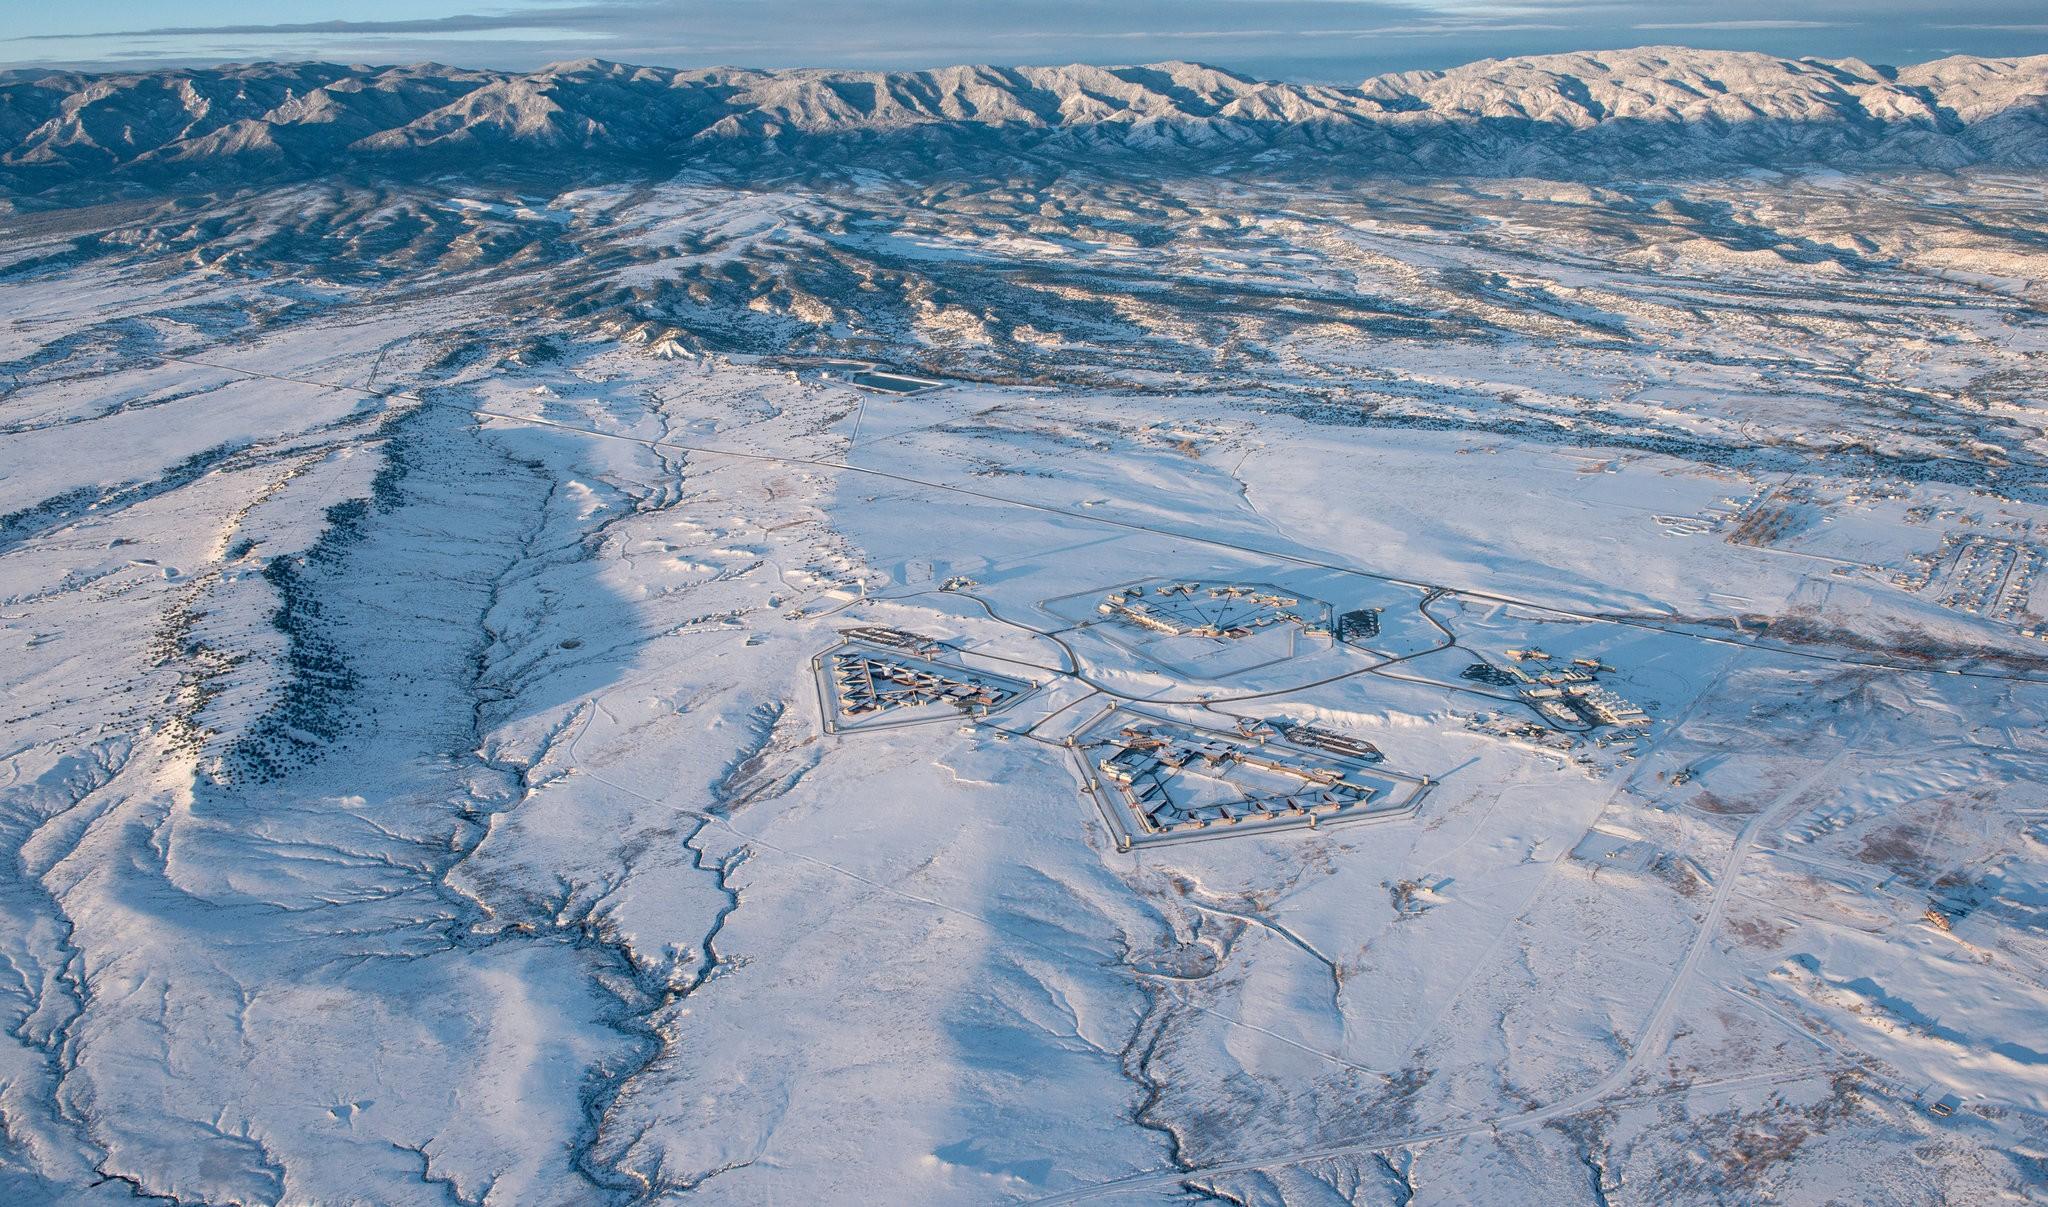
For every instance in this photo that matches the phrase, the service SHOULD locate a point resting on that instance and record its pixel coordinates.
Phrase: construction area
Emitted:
(1158, 780)
(1989, 576)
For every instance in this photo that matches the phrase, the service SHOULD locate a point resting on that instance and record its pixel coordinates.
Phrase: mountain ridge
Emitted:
(1652, 109)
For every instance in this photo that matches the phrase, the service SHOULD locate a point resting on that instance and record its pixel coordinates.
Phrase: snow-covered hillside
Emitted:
(1116, 684)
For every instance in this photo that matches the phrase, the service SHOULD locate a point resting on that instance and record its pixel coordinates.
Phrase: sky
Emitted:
(1316, 40)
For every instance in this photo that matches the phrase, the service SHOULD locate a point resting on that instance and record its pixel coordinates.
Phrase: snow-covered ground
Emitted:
(416, 786)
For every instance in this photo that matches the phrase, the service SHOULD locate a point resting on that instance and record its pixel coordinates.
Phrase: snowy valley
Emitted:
(1063, 683)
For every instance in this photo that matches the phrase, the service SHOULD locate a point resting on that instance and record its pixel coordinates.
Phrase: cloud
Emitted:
(564, 17)
(1136, 35)
(1333, 40)
(1438, 29)
(1758, 23)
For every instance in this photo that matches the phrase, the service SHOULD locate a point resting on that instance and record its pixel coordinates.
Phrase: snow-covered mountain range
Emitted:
(1661, 109)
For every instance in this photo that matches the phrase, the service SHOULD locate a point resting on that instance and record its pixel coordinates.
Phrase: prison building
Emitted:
(1609, 707)
(868, 685)
(1129, 764)
(855, 684)
(1325, 800)
(916, 643)
(1334, 743)
(1361, 624)
(1141, 614)
(1286, 766)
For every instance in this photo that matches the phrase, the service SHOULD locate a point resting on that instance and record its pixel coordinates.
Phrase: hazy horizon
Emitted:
(1306, 40)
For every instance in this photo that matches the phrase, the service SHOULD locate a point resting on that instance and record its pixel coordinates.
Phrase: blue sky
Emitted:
(1328, 40)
